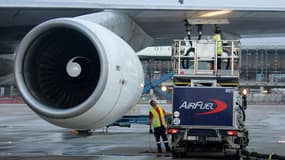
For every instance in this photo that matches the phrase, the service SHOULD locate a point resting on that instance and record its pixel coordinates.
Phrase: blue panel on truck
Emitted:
(204, 106)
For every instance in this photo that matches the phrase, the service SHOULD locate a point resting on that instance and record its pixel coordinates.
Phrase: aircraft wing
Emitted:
(163, 20)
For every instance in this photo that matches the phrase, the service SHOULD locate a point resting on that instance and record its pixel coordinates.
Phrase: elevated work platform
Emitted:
(198, 60)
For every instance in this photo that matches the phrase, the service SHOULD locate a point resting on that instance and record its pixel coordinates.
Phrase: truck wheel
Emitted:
(238, 155)
(177, 154)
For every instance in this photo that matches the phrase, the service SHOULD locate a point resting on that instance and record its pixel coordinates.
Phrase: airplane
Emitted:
(76, 64)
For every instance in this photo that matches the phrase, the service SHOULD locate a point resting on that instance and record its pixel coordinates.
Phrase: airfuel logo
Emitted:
(215, 106)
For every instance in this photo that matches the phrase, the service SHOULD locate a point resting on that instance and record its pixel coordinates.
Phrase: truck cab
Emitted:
(208, 108)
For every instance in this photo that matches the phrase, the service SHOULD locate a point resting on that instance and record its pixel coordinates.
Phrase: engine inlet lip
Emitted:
(44, 109)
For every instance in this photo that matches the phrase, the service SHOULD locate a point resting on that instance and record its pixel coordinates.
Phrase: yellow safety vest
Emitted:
(218, 38)
(155, 117)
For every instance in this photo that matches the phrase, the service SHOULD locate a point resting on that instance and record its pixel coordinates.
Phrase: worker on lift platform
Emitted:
(218, 39)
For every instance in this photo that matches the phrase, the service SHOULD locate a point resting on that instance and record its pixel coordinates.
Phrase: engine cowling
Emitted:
(77, 74)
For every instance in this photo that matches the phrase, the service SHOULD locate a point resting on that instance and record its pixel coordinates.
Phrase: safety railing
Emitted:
(199, 57)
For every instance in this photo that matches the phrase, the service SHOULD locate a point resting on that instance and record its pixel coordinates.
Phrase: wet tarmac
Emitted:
(25, 136)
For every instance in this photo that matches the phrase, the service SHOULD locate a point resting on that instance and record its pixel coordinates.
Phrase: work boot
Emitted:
(159, 150)
(168, 149)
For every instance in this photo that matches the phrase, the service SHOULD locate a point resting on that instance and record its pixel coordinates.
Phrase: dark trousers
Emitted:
(160, 132)
(219, 62)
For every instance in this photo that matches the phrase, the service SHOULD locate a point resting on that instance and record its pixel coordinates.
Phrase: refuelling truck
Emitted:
(208, 107)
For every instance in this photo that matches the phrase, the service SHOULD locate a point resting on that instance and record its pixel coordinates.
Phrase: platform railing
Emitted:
(199, 57)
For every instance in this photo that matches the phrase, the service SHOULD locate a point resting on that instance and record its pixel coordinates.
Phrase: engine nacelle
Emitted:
(77, 74)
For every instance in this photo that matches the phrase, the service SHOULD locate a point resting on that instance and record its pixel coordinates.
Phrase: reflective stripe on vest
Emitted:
(218, 38)
(155, 117)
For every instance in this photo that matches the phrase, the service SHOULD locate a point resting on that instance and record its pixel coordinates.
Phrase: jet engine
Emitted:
(77, 74)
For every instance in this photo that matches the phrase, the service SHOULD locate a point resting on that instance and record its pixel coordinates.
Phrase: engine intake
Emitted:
(45, 68)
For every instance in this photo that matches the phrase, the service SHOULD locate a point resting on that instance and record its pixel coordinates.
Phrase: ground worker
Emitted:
(218, 39)
(157, 121)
